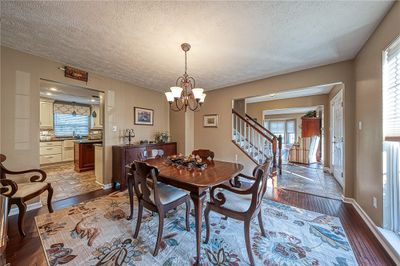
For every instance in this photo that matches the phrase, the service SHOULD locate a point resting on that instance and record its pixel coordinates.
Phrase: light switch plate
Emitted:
(114, 128)
(374, 202)
(359, 125)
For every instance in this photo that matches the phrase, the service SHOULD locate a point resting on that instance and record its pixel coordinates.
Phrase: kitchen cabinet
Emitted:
(96, 122)
(46, 114)
(68, 150)
(50, 152)
(84, 155)
(98, 162)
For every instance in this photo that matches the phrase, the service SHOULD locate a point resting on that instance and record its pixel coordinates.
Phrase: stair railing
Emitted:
(254, 140)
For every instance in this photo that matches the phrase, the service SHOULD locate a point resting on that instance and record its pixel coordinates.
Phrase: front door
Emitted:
(337, 137)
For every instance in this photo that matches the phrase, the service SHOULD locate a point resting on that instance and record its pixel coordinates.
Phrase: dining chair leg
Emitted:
(49, 197)
(131, 195)
(139, 219)
(22, 210)
(160, 232)
(260, 222)
(207, 219)
(187, 214)
(247, 239)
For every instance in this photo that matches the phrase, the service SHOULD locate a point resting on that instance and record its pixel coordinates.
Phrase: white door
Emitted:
(337, 137)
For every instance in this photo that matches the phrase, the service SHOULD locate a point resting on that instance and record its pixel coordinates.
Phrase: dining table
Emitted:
(196, 182)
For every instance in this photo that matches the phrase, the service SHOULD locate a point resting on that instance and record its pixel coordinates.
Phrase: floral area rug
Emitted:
(96, 232)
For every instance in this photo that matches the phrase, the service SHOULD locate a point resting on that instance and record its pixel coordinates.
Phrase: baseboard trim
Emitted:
(374, 229)
(29, 207)
(107, 186)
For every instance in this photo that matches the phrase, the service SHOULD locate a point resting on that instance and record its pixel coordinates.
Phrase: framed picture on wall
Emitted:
(143, 116)
(210, 120)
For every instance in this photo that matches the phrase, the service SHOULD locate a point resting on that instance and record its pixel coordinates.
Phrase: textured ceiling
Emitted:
(232, 42)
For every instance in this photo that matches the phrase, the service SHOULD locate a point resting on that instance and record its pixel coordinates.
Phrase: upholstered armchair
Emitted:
(156, 197)
(204, 154)
(305, 151)
(239, 203)
(20, 193)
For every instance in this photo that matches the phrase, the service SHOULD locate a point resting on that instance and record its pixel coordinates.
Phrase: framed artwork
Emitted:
(143, 116)
(210, 120)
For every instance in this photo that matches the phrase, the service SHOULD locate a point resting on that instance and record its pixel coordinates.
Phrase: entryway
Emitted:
(71, 138)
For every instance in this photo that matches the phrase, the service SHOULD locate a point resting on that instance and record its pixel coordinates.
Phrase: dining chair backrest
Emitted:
(259, 187)
(204, 154)
(145, 182)
(151, 154)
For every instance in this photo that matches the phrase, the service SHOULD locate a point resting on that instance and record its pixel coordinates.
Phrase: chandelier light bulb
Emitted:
(170, 96)
(176, 91)
(203, 96)
(197, 93)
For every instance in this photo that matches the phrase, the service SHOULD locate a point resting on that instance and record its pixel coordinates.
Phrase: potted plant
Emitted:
(162, 137)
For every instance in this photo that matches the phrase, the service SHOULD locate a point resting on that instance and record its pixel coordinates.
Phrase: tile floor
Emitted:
(309, 179)
(67, 183)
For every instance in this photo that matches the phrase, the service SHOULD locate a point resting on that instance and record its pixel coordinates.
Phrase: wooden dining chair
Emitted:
(24, 191)
(156, 197)
(204, 154)
(151, 154)
(240, 204)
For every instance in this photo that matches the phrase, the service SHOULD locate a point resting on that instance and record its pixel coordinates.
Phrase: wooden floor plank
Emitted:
(367, 250)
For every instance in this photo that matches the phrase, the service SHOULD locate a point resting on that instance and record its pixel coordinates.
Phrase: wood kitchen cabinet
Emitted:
(84, 155)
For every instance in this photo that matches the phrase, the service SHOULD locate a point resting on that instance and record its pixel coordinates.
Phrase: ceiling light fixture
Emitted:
(53, 89)
(184, 94)
(49, 93)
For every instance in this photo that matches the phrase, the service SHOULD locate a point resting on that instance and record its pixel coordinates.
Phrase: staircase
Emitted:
(257, 142)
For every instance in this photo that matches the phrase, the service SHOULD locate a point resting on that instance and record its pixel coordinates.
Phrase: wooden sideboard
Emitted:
(125, 154)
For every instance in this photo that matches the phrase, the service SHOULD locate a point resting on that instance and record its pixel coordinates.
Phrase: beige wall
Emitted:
(182, 130)
(177, 129)
(220, 102)
(368, 76)
(21, 73)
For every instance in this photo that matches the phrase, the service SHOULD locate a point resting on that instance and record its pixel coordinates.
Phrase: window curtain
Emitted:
(391, 186)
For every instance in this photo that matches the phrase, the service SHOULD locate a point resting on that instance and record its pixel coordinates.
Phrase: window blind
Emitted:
(391, 92)
(71, 120)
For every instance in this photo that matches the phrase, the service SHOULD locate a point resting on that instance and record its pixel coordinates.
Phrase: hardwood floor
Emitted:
(367, 250)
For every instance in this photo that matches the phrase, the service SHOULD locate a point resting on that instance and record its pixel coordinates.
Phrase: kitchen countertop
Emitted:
(57, 139)
(84, 141)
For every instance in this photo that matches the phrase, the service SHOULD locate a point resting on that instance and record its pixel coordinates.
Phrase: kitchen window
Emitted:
(71, 120)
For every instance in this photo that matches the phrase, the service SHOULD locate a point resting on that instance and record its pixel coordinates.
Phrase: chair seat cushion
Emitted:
(236, 202)
(168, 193)
(25, 189)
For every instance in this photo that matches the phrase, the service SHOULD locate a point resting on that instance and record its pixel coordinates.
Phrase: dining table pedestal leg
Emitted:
(198, 206)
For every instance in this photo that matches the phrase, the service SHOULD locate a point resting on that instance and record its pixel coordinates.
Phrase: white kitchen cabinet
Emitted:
(96, 122)
(46, 114)
(68, 150)
(50, 152)
(98, 162)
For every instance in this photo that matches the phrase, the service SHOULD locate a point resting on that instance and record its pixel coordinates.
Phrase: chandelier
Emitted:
(185, 94)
